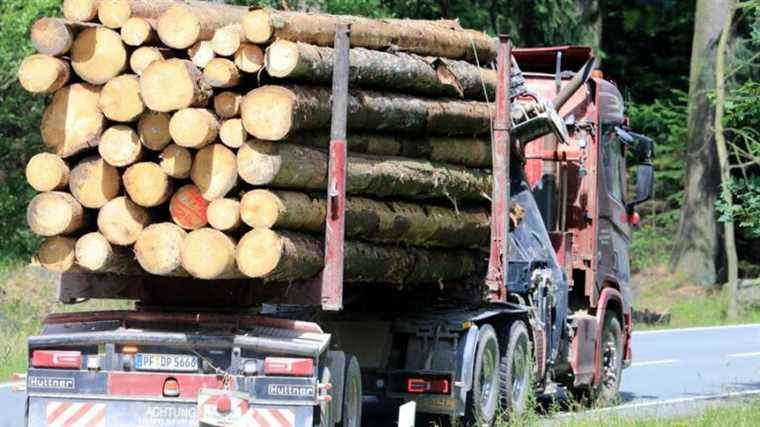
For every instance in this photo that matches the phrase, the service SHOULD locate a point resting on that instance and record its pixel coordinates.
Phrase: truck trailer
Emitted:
(552, 312)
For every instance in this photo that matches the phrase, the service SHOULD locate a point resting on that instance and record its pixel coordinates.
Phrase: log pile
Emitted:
(189, 139)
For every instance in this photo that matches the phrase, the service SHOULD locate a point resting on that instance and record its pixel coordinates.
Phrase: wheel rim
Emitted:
(519, 370)
(610, 363)
(488, 373)
(352, 409)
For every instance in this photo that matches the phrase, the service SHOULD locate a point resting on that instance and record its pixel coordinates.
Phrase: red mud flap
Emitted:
(221, 408)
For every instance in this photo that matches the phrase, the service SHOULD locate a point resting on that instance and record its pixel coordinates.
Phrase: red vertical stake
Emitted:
(498, 262)
(335, 229)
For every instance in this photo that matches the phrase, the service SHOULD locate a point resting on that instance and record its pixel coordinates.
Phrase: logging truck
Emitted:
(553, 310)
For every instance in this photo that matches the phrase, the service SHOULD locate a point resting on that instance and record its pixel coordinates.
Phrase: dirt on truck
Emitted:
(424, 229)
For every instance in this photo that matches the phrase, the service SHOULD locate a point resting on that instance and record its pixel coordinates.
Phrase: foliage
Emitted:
(746, 205)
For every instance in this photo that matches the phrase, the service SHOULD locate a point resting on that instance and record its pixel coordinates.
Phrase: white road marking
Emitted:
(697, 329)
(654, 362)
(753, 354)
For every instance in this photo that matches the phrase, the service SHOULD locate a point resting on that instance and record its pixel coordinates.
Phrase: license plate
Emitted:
(166, 362)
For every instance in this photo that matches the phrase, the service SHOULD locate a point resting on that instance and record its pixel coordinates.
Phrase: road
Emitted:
(673, 371)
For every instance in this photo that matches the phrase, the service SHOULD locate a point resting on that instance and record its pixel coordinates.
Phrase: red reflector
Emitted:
(57, 359)
(223, 405)
(419, 386)
(171, 388)
(288, 367)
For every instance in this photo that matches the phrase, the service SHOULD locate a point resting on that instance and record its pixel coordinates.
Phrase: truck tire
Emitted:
(352, 394)
(611, 363)
(515, 370)
(483, 399)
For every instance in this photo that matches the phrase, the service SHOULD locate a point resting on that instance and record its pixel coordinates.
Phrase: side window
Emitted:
(614, 164)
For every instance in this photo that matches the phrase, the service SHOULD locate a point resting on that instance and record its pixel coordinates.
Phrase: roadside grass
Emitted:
(27, 295)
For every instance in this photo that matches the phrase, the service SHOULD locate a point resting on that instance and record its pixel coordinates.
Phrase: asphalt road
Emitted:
(674, 371)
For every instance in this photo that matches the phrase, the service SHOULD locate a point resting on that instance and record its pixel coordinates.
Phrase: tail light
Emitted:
(289, 367)
(57, 359)
(171, 388)
(422, 386)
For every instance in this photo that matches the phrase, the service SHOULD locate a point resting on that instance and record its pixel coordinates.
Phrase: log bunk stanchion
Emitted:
(498, 263)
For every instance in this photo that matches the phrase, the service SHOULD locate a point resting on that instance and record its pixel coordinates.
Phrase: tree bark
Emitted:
(94, 182)
(182, 25)
(98, 55)
(43, 74)
(158, 249)
(47, 172)
(121, 221)
(120, 99)
(54, 213)
(273, 112)
(214, 171)
(120, 146)
(376, 221)
(72, 122)
(188, 88)
(433, 38)
(698, 255)
(286, 256)
(289, 166)
(400, 72)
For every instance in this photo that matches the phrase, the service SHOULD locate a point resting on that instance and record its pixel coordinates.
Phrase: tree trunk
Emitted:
(114, 13)
(214, 171)
(144, 56)
(224, 214)
(47, 172)
(80, 10)
(286, 256)
(433, 38)
(262, 163)
(227, 40)
(201, 53)
(139, 31)
(147, 184)
(381, 222)
(467, 151)
(120, 146)
(400, 72)
(153, 129)
(273, 112)
(95, 254)
(43, 74)
(249, 58)
(227, 105)
(72, 122)
(53, 36)
(182, 25)
(54, 213)
(56, 254)
(158, 249)
(188, 88)
(194, 127)
(120, 99)
(98, 55)
(221, 73)
(121, 221)
(209, 254)
(188, 208)
(233, 134)
(176, 161)
(698, 254)
(94, 182)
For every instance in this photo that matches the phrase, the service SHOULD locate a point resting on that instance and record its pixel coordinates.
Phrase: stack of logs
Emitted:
(189, 139)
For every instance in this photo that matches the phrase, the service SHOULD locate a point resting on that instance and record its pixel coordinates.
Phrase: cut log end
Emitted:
(226, 40)
(224, 214)
(188, 208)
(94, 182)
(143, 57)
(54, 213)
(249, 58)
(221, 73)
(259, 252)
(208, 254)
(120, 146)
(137, 32)
(201, 53)
(47, 172)
(51, 36)
(147, 184)
(93, 252)
(158, 249)
(122, 221)
(282, 58)
(258, 162)
(214, 171)
(153, 128)
(179, 27)
(261, 209)
(114, 13)
(257, 26)
(57, 254)
(176, 161)
(267, 112)
(194, 127)
(43, 74)
(172, 85)
(72, 121)
(120, 99)
(80, 10)
(233, 134)
(227, 105)
(98, 55)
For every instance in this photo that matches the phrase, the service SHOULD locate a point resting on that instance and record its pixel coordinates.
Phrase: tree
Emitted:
(699, 255)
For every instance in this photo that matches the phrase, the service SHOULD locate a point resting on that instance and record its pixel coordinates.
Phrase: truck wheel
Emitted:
(352, 394)
(483, 399)
(604, 393)
(515, 370)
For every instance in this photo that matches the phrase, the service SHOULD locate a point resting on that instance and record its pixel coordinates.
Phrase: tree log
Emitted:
(467, 151)
(72, 122)
(249, 58)
(120, 99)
(114, 13)
(194, 127)
(209, 254)
(381, 222)
(94, 182)
(176, 161)
(98, 55)
(52, 36)
(95, 254)
(233, 134)
(43, 73)
(158, 249)
(188, 208)
(273, 112)
(56, 254)
(121, 221)
(153, 129)
(144, 56)
(227, 40)
(54, 213)
(80, 10)
(187, 88)
(147, 184)
(182, 25)
(287, 256)
(221, 73)
(201, 53)
(47, 172)
(214, 171)
(432, 38)
(227, 105)
(138, 32)
(398, 71)
(120, 146)
(224, 214)
(289, 166)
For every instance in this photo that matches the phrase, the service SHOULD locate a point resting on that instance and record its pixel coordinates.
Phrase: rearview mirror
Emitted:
(644, 184)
